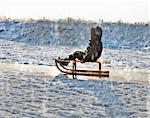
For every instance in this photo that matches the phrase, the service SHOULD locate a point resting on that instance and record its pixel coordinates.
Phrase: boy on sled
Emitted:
(93, 51)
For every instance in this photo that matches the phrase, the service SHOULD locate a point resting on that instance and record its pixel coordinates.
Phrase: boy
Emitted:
(93, 51)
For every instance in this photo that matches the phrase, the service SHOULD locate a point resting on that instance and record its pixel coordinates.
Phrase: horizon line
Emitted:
(69, 18)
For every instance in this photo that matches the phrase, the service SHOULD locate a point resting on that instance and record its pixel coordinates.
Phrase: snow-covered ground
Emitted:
(38, 94)
(39, 42)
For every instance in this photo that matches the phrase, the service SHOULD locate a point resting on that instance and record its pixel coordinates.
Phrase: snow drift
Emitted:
(75, 33)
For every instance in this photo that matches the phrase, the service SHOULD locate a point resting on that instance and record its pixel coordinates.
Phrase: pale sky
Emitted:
(108, 10)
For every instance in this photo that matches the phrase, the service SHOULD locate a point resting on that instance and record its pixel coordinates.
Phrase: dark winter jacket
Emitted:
(95, 47)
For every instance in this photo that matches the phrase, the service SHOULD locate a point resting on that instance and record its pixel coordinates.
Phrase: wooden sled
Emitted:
(74, 71)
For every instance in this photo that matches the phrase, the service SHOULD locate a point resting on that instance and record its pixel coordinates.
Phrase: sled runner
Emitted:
(74, 71)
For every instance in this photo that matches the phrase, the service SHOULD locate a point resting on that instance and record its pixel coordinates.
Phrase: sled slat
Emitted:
(102, 61)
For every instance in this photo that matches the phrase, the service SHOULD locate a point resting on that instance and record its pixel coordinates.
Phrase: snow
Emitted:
(35, 91)
(126, 45)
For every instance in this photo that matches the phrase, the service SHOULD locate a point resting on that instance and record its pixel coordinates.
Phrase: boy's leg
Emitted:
(78, 54)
